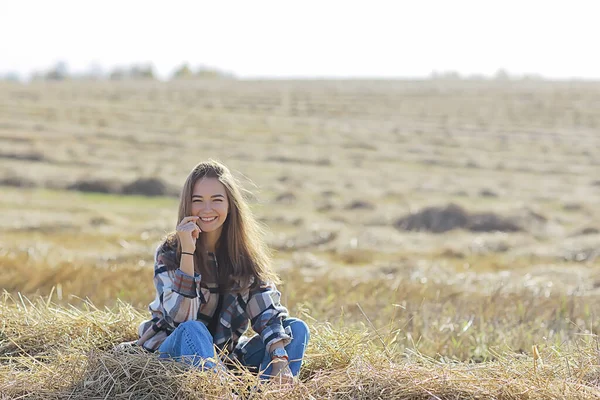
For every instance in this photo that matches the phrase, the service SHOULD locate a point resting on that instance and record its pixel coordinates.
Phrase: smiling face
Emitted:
(210, 203)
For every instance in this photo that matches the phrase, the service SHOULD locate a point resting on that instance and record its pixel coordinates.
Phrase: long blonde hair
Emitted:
(241, 252)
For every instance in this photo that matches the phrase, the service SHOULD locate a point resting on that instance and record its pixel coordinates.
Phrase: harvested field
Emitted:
(441, 238)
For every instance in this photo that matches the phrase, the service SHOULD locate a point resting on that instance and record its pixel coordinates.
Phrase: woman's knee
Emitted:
(298, 327)
(194, 328)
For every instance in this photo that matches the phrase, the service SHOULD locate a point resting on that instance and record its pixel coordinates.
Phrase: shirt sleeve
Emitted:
(266, 314)
(179, 293)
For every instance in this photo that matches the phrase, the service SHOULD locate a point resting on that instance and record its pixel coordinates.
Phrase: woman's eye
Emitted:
(218, 200)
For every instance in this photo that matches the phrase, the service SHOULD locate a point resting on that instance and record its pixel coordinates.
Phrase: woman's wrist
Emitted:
(191, 250)
(278, 353)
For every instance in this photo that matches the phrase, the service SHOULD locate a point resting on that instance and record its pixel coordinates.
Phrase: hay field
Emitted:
(429, 232)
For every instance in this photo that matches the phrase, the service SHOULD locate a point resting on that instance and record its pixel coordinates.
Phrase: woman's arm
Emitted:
(178, 291)
(266, 314)
(280, 366)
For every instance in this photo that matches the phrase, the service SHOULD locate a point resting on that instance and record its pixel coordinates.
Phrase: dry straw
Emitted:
(56, 352)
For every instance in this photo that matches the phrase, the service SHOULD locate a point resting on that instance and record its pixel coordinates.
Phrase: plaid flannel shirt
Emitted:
(181, 297)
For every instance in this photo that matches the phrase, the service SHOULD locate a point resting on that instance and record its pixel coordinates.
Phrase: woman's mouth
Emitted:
(208, 219)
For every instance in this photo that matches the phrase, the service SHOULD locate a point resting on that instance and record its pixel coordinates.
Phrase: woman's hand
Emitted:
(281, 372)
(188, 232)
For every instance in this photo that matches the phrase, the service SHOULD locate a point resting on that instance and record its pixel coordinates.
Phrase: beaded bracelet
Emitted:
(191, 254)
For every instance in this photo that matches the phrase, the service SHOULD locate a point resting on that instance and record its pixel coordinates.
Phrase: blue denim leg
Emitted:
(191, 343)
(256, 355)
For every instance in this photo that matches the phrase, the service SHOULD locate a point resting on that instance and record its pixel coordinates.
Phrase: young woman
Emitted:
(213, 279)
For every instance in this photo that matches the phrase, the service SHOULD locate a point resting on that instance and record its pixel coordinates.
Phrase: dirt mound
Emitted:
(28, 156)
(434, 219)
(452, 216)
(490, 222)
(286, 198)
(141, 187)
(147, 187)
(96, 186)
(360, 205)
(16, 181)
(590, 230)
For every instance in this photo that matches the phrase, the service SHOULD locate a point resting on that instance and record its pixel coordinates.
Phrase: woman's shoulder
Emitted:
(166, 251)
(261, 286)
(167, 243)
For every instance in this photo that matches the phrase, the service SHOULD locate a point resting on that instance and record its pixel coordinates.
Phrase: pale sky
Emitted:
(372, 38)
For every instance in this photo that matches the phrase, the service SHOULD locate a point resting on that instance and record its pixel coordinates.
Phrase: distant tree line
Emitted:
(500, 75)
(60, 72)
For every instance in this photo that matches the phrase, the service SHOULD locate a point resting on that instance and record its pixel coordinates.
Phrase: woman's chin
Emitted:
(208, 229)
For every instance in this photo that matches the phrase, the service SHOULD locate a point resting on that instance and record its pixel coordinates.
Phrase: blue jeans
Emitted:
(192, 343)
